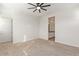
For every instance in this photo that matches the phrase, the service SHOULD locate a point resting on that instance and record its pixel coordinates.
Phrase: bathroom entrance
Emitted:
(51, 28)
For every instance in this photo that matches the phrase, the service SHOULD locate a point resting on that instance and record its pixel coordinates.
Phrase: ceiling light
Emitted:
(38, 8)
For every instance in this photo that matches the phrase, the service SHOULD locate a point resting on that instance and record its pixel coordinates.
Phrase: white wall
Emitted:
(43, 33)
(66, 24)
(25, 27)
(67, 27)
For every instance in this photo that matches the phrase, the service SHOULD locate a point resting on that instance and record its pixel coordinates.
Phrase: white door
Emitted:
(5, 29)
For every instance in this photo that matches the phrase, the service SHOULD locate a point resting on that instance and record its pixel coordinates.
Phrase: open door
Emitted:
(51, 28)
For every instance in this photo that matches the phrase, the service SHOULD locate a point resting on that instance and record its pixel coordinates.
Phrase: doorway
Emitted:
(6, 29)
(51, 28)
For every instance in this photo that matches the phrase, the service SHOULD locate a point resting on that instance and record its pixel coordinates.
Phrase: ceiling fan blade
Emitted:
(32, 4)
(39, 11)
(37, 4)
(44, 9)
(45, 5)
(34, 10)
(41, 4)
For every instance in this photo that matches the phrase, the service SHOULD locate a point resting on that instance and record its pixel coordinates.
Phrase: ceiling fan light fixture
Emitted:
(38, 8)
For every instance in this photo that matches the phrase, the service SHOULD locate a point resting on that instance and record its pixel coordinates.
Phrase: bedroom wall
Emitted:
(66, 24)
(25, 26)
(43, 32)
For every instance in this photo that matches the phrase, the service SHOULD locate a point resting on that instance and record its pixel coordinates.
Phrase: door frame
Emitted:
(49, 27)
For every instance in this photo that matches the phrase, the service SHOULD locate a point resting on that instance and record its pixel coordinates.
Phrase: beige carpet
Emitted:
(37, 47)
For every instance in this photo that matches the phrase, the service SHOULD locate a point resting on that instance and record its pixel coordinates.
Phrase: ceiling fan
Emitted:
(38, 6)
